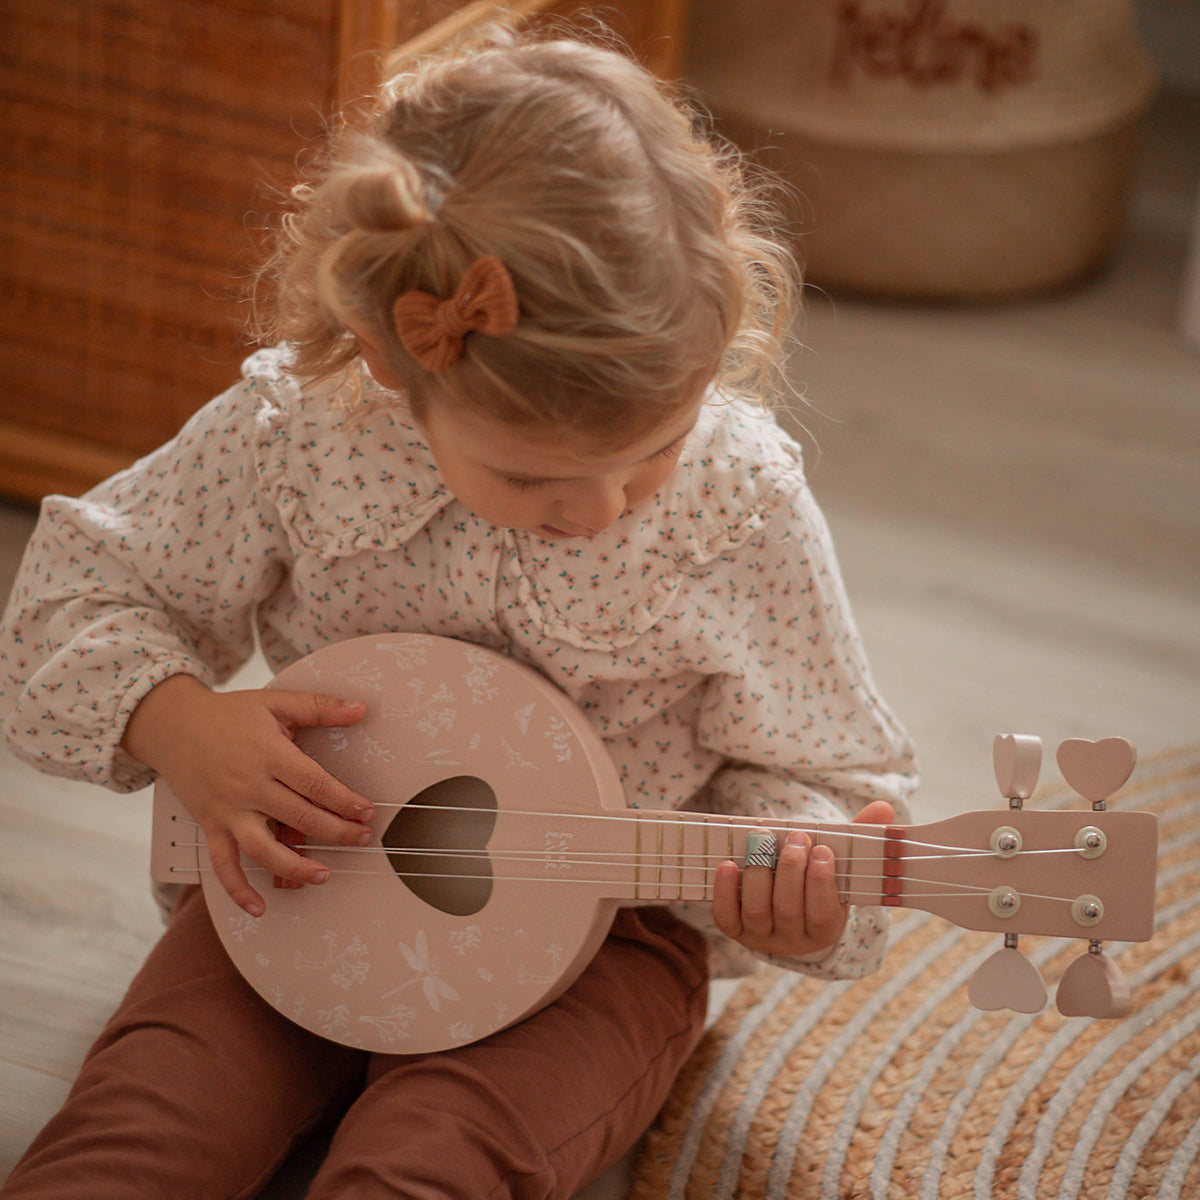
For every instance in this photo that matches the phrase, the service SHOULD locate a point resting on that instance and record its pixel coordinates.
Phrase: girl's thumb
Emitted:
(304, 709)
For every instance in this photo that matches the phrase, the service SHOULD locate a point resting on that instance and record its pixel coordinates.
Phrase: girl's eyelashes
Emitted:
(530, 485)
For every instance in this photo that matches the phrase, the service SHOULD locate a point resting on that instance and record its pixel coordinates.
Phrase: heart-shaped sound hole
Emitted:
(437, 844)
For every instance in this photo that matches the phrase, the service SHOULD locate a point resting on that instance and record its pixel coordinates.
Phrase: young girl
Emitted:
(523, 322)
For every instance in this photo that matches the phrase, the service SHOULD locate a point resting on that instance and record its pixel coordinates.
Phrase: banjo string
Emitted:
(715, 822)
(672, 860)
(856, 897)
(707, 872)
(854, 836)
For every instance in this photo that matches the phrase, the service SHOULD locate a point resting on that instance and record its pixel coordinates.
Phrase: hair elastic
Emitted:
(433, 330)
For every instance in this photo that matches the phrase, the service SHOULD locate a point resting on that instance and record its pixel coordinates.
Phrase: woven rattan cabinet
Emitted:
(142, 138)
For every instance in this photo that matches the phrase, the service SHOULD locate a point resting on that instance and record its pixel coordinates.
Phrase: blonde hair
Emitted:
(640, 249)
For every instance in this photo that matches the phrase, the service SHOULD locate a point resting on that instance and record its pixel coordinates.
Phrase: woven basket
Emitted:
(941, 149)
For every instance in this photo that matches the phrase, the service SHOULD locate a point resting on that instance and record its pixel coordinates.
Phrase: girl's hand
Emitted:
(794, 909)
(231, 759)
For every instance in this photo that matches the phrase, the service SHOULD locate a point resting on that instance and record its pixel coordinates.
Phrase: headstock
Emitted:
(1109, 848)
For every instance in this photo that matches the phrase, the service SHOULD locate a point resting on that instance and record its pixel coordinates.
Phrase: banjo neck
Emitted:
(951, 868)
(669, 857)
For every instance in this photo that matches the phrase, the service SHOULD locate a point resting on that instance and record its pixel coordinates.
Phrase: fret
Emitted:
(682, 827)
(658, 879)
(637, 859)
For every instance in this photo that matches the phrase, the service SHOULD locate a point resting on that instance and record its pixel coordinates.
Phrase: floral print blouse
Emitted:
(706, 634)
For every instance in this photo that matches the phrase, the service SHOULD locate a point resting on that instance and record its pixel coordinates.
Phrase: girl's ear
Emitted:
(374, 360)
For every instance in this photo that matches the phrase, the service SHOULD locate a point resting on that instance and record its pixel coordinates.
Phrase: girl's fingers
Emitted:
(824, 914)
(758, 911)
(311, 782)
(305, 710)
(255, 840)
(878, 812)
(314, 820)
(226, 861)
(727, 906)
(794, 909)
(789, 897)
(261, 846)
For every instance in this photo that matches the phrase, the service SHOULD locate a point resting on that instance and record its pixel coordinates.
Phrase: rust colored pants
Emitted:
(197, 1089)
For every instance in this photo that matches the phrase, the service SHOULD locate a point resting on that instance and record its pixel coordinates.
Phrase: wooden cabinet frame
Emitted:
(137, 151)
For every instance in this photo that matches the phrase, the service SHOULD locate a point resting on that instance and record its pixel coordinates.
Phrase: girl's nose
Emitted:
(594, 504)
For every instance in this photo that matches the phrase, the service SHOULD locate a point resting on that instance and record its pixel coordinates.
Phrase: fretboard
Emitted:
(675, 855)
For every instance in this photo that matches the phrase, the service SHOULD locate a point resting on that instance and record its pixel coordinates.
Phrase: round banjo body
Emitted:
(446, 936)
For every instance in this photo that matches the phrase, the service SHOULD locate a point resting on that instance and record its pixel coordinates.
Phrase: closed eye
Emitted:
(671, 450)
(520, 484)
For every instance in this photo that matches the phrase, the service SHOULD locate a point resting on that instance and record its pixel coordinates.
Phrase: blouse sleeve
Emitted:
(155, 572)
(793, 710)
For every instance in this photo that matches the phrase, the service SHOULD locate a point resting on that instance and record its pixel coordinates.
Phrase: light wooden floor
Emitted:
(1016, 496)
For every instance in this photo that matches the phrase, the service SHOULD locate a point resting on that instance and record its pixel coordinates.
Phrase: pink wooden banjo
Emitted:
(504, 847)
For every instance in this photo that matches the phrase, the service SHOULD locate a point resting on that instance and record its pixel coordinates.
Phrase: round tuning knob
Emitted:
(1087, 910)
(1004, 902)
(1006, 842)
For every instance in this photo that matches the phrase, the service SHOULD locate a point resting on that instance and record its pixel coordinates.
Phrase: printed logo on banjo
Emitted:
(557, 847)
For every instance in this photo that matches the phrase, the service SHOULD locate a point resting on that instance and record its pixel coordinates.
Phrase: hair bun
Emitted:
(384, 199)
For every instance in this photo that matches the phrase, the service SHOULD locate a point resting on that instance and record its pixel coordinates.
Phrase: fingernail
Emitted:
(366, 813)
(798, 838)
(822, 854)
(255, 908)
(320, 877)
(365, 837)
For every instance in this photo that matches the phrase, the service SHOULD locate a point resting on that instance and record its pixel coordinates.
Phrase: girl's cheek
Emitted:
(653, 481)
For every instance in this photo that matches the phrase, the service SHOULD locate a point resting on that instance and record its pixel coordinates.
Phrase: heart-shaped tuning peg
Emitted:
(1096, 769)
(1007, 980)
(1093, 986)
(1017, 760)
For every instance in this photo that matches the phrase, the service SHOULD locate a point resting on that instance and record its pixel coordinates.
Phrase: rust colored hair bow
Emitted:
(433, 330)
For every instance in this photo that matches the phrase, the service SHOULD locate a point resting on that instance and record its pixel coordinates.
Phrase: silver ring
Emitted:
(761, 850)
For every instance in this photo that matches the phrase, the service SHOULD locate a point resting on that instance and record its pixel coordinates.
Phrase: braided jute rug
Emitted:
(894, 1087)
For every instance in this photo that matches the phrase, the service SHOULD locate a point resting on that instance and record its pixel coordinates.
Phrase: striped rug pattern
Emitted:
(893, 1086)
